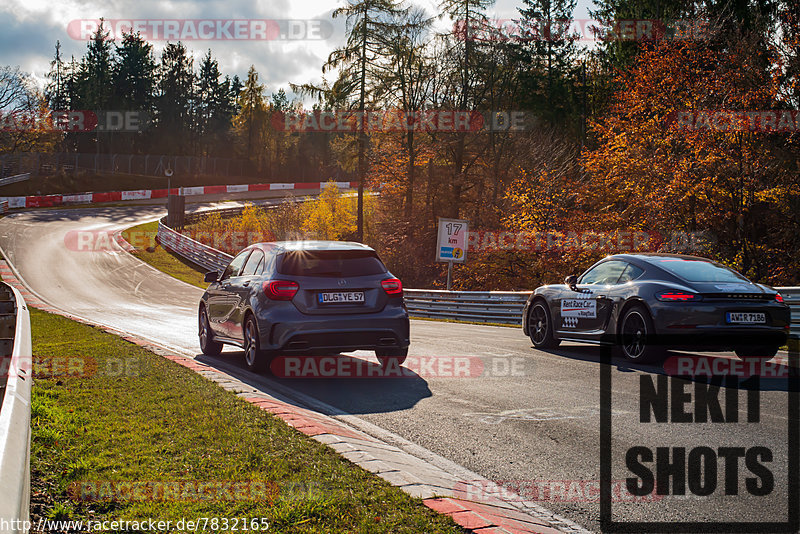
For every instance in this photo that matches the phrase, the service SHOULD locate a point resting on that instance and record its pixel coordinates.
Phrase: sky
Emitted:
(29, 30)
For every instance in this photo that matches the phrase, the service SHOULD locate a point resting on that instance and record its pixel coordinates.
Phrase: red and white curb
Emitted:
(48, 201)
(415, 470)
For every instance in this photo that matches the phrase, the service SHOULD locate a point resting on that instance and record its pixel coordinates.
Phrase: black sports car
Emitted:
(644, 303)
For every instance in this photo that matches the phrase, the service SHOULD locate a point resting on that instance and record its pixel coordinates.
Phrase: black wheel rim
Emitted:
(203, 329)
(538, 326)
(634, 335)
(250, 343)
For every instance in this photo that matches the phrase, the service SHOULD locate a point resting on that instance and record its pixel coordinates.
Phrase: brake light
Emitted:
(280, 289)
(778, 297)
(677, 296)
(393, 287)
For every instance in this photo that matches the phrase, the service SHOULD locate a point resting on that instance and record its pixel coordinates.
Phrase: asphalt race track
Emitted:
(526, 418)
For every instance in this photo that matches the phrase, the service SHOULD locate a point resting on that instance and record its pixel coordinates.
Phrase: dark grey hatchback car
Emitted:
(304, 297)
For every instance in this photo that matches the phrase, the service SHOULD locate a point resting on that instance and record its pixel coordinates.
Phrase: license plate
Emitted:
(746, 317)
(341, 297)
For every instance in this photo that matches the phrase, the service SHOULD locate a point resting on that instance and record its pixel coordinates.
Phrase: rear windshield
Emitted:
(339, 263)
(700, 271)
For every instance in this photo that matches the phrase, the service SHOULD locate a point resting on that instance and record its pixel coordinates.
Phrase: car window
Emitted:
(254, 263)
(699, 270)
(606, 273)
(269, 263)
(339, 263)
(235, 265)
(631, 272)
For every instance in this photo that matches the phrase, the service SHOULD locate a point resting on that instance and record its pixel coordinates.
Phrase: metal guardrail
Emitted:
(200, 254)
(206, 257)
(791, 296)
(14, 179)
(498, 307)
(501, 307)
(15, 411)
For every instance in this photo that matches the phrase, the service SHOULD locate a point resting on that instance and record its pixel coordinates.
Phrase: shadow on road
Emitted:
(370, 394)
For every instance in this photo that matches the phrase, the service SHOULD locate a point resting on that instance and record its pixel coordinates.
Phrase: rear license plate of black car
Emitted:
(746, 318)
(341, 297)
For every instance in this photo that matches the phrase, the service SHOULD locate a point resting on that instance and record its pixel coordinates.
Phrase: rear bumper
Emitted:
(704, 324)
(287, 330)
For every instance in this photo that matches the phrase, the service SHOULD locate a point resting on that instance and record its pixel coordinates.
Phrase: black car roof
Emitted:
(648, 257)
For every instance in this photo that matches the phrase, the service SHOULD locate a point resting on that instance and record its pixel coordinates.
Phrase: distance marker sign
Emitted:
(451, 244)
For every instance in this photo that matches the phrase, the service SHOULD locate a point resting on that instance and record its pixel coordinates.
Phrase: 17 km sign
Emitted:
(451, 244)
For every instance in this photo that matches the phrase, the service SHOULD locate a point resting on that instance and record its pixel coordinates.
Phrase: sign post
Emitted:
(451, 244)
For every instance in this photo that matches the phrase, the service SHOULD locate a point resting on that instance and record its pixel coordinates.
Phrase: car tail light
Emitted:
(778, 297)
(677, 296)
(280, 289)
(393, 287)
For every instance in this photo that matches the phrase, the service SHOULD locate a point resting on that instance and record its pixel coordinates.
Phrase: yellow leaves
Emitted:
(332, 216)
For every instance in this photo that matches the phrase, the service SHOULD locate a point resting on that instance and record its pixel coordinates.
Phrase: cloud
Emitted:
(29, 30)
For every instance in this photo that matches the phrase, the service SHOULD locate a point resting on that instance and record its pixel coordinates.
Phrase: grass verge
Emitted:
(143, 237)
(124, 415)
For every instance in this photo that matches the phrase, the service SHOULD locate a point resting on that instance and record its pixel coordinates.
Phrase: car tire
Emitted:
(636, 339)
(387, 356)
(256, 359)
(760, 352)
(540, 327)
(208, 346)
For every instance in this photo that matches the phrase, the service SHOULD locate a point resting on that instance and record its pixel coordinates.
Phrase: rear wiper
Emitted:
(329, 273)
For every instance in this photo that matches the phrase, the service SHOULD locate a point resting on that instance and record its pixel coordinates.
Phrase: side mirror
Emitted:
(211, 277)
(571, 281)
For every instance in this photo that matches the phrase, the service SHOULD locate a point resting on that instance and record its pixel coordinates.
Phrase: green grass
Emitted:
(143, 237)
(158, 421)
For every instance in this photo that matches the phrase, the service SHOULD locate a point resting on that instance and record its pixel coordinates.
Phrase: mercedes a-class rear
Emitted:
(304, 297)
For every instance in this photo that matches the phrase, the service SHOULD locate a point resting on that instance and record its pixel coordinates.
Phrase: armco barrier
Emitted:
(15, 410)
(499, 307)
(206, 257)
(502, 307)
(14, 179)
(791, 296)
(200, 254)
(47, 201)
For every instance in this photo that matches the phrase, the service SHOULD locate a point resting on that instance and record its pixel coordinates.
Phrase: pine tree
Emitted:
(548, 57)
(174, 100)
(368, 35)
(251, 120)
(135, 81)
(56, 88)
